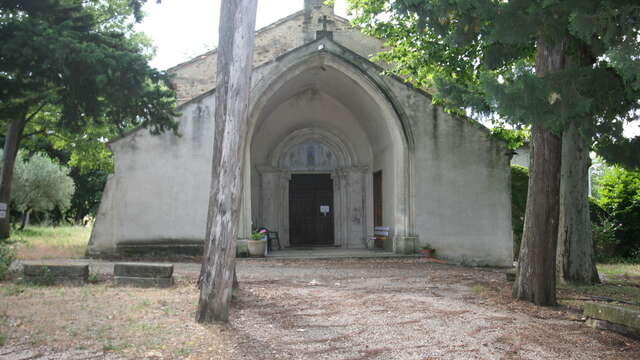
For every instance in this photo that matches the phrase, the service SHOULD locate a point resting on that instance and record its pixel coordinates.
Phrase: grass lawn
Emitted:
(40, 242)
(628, 273)
(620, 283)
(132, 322)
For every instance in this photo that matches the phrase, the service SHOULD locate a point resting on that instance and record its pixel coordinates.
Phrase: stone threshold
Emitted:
(324, 253)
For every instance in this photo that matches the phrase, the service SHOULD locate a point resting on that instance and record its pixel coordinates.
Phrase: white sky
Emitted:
(183, 29)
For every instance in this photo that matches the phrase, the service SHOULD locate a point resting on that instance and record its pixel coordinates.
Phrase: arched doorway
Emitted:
(322, 115)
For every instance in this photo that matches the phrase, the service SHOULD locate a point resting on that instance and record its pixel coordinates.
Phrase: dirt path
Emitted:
(404, 310)
(348, 309)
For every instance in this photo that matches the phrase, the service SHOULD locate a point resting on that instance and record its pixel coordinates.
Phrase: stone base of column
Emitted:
(406, 245)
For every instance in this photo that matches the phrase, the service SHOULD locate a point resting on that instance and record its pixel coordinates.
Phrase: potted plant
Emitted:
(427, 251)
(258, 243)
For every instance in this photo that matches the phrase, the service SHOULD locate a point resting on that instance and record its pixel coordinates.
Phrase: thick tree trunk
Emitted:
(235, 62)
(575, 243)
(536, 276)
(25, 219)
(11, 145)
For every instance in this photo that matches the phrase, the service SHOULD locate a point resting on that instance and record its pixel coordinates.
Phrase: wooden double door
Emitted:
(311, 210)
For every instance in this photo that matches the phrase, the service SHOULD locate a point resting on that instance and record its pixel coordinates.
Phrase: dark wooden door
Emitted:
(311, 210)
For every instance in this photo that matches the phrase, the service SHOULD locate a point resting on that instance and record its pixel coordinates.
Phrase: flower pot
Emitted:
(257, 248)
(427, 252)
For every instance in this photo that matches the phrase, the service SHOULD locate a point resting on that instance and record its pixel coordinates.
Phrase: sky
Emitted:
(183, 29)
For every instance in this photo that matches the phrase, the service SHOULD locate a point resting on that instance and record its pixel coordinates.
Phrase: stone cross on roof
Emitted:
(324, 21)
(324, 33)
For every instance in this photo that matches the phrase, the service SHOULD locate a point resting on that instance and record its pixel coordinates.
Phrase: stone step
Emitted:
(143, 270)
(143, 281)
(49, 273)
(619, 318)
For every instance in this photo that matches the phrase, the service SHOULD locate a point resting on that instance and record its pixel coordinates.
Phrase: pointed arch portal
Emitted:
(315, 113)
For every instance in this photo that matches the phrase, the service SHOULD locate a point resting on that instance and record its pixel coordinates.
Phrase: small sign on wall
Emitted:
(3, 210)
(324, 209)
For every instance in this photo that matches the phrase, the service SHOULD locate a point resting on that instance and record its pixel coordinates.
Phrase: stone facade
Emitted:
(271, 42)
(318, 106)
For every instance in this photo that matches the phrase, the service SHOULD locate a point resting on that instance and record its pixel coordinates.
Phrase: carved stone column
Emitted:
(283, 215)
(270, 199)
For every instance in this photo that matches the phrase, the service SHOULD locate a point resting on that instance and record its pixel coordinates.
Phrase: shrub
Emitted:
(519, 187)
(7, 256)
(39, 184)
(619, 197)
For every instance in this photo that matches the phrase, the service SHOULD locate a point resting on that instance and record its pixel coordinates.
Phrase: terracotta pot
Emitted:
(257, 248)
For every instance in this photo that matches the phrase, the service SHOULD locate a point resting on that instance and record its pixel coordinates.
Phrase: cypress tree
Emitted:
(567, 68)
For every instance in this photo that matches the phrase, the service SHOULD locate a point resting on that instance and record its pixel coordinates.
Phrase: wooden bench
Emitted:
(380, 235)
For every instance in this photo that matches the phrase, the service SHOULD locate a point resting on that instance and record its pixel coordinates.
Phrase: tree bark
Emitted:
(25, 219)
(235, 63)
(11, 146)
(575, 261)
(536, 276)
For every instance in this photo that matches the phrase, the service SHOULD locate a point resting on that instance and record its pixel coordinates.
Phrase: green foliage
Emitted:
(40, 185)
(604, 239)
(7, 256)
(519, 187)
(479, 55)
(89, 174)
(76, 71)
(619, 196)
(74, 74)
(514, 138)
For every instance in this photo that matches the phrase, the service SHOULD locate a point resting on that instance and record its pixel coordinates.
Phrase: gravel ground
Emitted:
(385, 309)
(403, 309)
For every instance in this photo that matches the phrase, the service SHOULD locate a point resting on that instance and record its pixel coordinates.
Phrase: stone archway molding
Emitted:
(344, 152)
(325, 53)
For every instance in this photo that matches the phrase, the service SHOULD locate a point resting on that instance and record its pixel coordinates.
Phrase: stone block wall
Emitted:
(197, 76)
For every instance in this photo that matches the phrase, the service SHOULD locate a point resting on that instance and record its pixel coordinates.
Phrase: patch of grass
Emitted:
(183, 352)
(13, 290)
(609, 291)
(3, 336)
(620, 282)
(109, 347)
(479, 289)
(40, 242)
(621, 272)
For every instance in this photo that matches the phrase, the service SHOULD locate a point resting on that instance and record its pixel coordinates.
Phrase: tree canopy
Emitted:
(80, 64)
(567, 68)
(480, 55)
(76, 73)
(40, 184)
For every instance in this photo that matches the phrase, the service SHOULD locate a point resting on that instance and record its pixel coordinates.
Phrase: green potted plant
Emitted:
(258, 243)
(427, 251)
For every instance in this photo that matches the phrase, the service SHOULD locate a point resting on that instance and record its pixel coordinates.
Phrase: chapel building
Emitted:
(335, 148)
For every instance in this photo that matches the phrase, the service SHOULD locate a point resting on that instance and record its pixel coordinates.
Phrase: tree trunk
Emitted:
(11, 145)
(235, 62)
(536, 277)
(575, 243)
(25, 219)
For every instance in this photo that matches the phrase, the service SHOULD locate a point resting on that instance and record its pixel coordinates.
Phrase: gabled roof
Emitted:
(258, 32)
